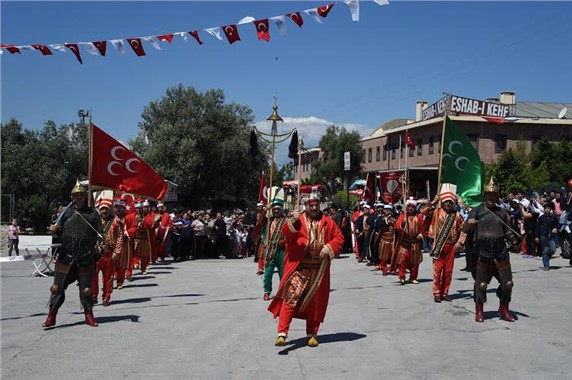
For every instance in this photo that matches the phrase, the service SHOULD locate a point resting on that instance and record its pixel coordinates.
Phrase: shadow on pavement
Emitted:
(131, 300)
(323, 339)
(100, 321)
(26, 316)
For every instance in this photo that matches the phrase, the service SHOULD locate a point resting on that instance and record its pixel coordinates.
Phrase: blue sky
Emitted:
(355, 74)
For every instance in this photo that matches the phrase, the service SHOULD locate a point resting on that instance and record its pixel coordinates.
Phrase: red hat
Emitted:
(313, 199)
(448, 193)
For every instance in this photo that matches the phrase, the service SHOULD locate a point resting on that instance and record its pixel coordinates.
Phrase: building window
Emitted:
(474, 139)
(500, 143)
(431, 145)
(377, 154)
(410, 152)
(363, 161)
(385, 149)
(419, 147)
(393, 149)
(369, 155)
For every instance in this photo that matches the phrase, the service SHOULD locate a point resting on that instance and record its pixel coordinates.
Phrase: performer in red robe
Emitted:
(408, 229)
(122, 255)
(261, 222)
(104, 261)
(445, 230)
(312, 241)
(162, 230)
(139, 229)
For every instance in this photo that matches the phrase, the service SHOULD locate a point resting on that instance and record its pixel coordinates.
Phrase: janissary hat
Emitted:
(491, 187)
(120, 203)
(448, 192)
(278, 199)
(314, 198)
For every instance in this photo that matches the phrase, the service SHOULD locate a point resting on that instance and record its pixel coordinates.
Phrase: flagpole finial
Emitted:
(274, 117)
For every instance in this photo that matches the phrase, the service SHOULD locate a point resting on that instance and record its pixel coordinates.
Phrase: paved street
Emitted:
(207, 320)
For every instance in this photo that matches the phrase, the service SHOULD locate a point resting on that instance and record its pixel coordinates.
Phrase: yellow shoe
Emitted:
(280, 341)
(402, 281)
(144, 272)
(415, 282)
(313, 342)
(119, 286)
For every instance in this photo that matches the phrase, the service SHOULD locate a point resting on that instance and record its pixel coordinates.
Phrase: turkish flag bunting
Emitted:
(231, 32)
(165, 37)
(135, 44)
(324, 10)
(409, 141)
(75, 50)
(113, 166)
(262, 29)
(195, 34)
(101, 46)
(262, 192)
(10, 48)
(497, 120)
(297, 18)
(43, 48)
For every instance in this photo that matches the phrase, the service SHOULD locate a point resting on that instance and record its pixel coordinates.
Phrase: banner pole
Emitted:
(441, 153)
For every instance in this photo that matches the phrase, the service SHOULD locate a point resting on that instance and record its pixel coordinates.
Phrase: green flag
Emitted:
(461, 165)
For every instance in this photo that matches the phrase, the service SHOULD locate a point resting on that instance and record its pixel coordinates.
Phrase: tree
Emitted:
(197, 141)
(334, 143)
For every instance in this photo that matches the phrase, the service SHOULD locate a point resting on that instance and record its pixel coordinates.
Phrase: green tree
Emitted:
(197, 141)
(334, 143)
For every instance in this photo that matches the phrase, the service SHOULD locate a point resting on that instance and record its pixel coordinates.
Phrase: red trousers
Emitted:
(260, 262)
(383, 266)
(143, 262)
(104, 265)
(120, 276)
(414, 269)
(285, 318)
(443, 270)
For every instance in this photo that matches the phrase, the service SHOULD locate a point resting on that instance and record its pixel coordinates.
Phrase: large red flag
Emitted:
(114, 166)
(263, 191)
(409, 141)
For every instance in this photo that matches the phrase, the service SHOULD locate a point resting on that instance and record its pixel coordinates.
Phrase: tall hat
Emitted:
(120, 203)
(260, 204)
(314, 198)
(78, 188)
(146, 203)
(491, 187)
(448, 192)
(411, 201)
(277, 198)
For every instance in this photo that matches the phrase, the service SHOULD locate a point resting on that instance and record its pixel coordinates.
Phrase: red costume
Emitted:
(162, 230)
(408, 228)
(305, 286)
(142, 234)
(111, 248)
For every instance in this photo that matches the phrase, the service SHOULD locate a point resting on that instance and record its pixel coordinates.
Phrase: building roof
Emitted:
(395, 123)
(541, 110)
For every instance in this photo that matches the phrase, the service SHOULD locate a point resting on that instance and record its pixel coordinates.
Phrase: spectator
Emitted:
(546, 232)
(13, 237)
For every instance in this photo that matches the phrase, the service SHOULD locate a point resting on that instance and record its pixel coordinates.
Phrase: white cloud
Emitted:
(310, 129)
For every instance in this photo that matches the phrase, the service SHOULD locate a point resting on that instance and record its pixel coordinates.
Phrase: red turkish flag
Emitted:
(129, 200)
(497, 120)
(135, 44)
(101, 46)
(113, 166)
(297, 18)
(165, 37)
(409, 141)
(10, 48)
(263, 191)
(75, 50)
(195, 34)
(43, 48)
(231, 32)
(324, 10)
(262, 29)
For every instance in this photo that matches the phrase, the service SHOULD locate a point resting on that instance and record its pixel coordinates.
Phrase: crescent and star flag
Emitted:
(195, 34)
(101, 46)
(135, 44)
(43, 48)
(262, 29)
(10, 48)
(113, 166)
(262, 192)
(297, 18)
(409, 141)
(75, 50)
(231, 33)
(324, 10)
(461, 165)
(165, 37)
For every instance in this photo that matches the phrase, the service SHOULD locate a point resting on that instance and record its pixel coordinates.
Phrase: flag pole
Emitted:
(300, 147)
(399, 158)
(441, 153)
(90, 158)
(406, 158)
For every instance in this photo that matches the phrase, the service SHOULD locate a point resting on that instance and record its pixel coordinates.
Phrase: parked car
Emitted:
(26, 227)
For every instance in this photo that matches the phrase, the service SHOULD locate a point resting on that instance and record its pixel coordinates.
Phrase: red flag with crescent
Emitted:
(135, 44)
(297, 18)
(101, 46)
(409, 141)
(263, 191)
(165, 37)
(43, 48)
(231, 33)
(324, 10)
(195, 34)
(114, 166)
(262, 29)
(75, 50)
(10, 48)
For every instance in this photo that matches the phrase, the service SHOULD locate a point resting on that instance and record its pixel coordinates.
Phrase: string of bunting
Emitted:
(229, 31)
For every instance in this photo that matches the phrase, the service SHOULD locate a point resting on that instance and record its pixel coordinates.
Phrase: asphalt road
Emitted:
(207, 320)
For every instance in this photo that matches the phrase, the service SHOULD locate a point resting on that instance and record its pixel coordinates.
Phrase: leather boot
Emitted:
(504, 313)
(51, 319)
(479, 315)
(90, 319)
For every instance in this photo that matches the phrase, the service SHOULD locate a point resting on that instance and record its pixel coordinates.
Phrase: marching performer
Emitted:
(410, 239)
(164, 227)
(275, 245)
(105, 249)
(387, 230)
(445, 231)
(122, 252)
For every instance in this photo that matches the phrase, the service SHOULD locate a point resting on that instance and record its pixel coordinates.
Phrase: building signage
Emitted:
(347, 161)
(462, 105)
(436, 109)
(466, 106)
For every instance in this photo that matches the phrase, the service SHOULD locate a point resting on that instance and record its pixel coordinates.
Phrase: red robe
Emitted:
(297, 242)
